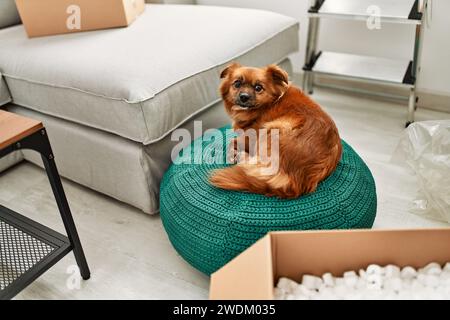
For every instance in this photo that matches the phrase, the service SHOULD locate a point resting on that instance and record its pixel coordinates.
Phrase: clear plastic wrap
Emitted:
(425, 148)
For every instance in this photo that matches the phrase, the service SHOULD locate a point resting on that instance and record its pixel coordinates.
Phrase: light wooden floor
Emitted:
(129, 253)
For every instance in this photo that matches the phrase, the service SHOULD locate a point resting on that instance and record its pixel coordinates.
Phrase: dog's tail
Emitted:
(248, 178)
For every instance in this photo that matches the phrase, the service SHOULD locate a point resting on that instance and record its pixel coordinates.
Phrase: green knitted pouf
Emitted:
(210, 226)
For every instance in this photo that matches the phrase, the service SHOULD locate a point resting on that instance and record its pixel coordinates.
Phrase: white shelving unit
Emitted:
(365, 68)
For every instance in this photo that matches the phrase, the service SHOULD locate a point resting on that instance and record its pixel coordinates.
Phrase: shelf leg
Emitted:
(305, 81)
(417, 49)
(415, 70)
(411, 106)
(311, 83)
(311, 47)
(63, 206)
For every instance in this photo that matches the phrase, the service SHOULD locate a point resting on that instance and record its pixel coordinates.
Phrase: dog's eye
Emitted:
(237, 84)
(258, 88)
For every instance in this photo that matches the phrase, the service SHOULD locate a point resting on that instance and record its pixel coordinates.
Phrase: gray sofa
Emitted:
(110, 99)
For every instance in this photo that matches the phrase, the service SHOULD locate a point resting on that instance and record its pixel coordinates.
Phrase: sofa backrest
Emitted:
(8, 13)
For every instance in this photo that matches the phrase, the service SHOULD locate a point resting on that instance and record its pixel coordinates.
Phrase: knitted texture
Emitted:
(210, 226)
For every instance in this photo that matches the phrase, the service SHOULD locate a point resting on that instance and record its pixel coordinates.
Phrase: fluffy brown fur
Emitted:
(309, 148)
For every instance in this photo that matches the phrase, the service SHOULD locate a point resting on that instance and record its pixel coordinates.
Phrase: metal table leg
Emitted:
(66, 215)
(39, 142)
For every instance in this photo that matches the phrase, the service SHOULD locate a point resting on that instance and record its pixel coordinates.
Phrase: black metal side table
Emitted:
(27, 248)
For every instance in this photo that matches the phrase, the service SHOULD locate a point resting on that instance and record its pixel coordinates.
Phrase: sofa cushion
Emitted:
(8, 13)
(143, 81)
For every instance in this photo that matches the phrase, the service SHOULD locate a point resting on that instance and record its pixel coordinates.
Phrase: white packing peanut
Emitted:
(407, 283)
(445, 275)
(397, 284)
(286, 284)
(447, 267)
(319, 282)
(432, 265)
(390, 295)
(311, 282)
(361, 284)
(302, 290)
(417, 286)
(405, 295)
(350, 279)
(328, 294)
(340, 291)
(328, 279)
(447, 284)
(393, 284)
(433, 268)
(339, 281)
(322, 288)
(362, 273)
(421, 278)
(408, 272)
(355, 295)
(278, 294)
(374, 269)
(436, 295)
(392, 271)
(350, 274)
(374, 282)
(431, 280)
(301, 297)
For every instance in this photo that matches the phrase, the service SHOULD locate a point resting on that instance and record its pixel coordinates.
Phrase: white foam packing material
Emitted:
(425, 148)
(390, 282)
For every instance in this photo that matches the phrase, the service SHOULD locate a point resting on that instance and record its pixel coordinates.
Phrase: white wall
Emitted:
(394, 41)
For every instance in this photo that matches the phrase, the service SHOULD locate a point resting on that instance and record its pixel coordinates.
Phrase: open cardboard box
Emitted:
(47, 17)
(253, 274)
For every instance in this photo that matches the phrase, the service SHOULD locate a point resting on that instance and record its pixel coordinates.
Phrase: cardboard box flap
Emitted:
(248, 277)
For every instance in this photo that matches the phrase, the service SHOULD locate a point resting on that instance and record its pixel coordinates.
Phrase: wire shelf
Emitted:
(27, 249)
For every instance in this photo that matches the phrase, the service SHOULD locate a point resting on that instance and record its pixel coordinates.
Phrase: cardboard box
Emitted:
(47, 17)
(253, 274)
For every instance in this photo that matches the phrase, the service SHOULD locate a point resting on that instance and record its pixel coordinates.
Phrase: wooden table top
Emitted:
(14, 128)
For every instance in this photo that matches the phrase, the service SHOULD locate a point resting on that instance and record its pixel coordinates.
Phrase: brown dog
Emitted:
(309, 143)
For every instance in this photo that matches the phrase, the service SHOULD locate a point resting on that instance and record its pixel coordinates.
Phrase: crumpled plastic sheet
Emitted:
(425, 148)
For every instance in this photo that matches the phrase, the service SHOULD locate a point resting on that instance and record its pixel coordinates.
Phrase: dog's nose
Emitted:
(244, 97)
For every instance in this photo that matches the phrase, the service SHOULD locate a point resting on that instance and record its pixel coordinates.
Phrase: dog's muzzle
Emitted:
(244, 100)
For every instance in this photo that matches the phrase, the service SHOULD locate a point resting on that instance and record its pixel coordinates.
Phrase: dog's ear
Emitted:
(225, 72)
(277, 74)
